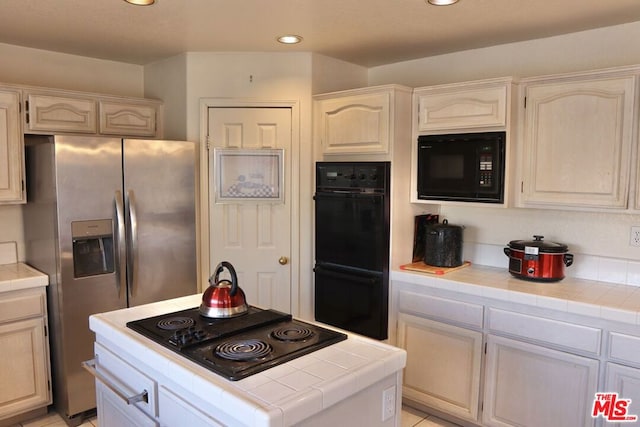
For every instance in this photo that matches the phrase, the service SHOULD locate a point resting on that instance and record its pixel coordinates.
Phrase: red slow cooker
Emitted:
(538, 260)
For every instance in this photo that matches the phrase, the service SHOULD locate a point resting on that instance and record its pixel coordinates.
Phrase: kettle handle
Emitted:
(507, 251)
(232, 271)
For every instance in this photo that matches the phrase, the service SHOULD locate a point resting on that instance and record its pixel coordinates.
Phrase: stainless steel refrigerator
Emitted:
(112, 222)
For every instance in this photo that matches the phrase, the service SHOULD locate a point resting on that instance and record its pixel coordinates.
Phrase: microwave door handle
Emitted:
(120, 243)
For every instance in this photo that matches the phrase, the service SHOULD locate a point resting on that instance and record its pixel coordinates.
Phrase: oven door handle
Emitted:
(348, 195)
(90, 365)
(346, 276)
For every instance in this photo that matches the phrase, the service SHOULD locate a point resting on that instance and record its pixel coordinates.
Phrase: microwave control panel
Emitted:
(485, 164)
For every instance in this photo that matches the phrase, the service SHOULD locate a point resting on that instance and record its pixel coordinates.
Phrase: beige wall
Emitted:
(600, 234)
(36, 67)
(587, 50)
(167, 80)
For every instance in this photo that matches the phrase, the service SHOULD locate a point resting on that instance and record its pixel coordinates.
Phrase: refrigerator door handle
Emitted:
(120, 243)
(132, 247)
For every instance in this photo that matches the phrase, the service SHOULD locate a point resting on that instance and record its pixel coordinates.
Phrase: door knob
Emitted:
(283, 260)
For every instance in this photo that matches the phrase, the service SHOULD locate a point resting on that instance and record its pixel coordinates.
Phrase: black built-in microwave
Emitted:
(465, 167)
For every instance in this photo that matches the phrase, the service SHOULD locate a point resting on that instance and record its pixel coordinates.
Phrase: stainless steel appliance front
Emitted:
(112, 222)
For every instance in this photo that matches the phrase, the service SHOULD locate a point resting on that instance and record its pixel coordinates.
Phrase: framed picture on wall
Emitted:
(248, 175)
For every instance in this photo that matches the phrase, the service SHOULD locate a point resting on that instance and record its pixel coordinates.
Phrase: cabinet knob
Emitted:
(283, 260)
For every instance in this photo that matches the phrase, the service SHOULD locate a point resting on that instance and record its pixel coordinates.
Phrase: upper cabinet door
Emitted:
(357, 124)
(52, 113)
(577, 139)
(462, 106)
(128, 119)
(11, 148)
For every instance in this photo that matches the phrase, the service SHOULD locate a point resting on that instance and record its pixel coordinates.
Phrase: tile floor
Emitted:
(414, 418)
(410, 418)
(52, 419)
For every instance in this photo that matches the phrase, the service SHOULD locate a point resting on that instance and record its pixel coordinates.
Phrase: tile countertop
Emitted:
(20, 276)
(294, 390)
(620, 303)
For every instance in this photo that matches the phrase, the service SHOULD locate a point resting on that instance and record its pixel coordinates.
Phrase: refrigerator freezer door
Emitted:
(159, 188)
(88, 175)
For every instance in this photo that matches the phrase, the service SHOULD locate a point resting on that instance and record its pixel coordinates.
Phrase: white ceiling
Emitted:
(365, 32)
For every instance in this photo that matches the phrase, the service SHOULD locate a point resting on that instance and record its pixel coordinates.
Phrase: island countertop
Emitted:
(282, 395)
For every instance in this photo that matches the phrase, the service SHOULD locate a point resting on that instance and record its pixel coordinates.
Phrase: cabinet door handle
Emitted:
(90, 365)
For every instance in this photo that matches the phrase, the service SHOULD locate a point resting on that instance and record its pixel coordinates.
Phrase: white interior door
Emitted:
(254, 236)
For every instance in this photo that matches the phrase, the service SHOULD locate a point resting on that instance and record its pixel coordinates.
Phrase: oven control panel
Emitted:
(362, 176)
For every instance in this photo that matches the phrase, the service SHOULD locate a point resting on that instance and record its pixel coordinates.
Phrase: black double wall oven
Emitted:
(352, 246)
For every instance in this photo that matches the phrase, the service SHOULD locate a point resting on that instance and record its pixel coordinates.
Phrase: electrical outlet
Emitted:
(634, 239)
(388, 403)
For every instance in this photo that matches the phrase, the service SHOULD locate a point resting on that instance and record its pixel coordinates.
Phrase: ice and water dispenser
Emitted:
(92, 247)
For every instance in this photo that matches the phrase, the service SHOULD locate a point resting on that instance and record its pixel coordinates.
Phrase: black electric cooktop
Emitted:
(239, 346)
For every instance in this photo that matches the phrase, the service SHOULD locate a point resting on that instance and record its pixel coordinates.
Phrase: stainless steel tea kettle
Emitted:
(223, 298)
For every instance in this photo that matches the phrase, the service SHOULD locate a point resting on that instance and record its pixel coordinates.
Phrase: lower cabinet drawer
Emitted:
(549, 331)
(134, 388)
(624, 348)
(22, 304)
(459, 312)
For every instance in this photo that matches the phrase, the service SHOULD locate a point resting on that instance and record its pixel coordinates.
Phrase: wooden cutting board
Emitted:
(431, 269)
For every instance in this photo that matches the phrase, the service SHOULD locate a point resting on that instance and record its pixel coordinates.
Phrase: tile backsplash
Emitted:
(8, 253)
(589, 267)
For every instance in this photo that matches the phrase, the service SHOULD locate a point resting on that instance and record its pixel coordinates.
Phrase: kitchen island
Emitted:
(357, 381)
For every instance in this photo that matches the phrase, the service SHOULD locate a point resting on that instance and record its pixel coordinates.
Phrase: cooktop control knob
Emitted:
(530, 271)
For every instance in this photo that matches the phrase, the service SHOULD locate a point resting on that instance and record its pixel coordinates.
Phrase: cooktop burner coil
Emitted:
(292, 333)
(243, 350)
(175, 323)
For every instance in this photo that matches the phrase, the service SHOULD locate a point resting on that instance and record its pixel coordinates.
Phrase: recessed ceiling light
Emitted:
(290, 39)
(441, 2)
(141, 2)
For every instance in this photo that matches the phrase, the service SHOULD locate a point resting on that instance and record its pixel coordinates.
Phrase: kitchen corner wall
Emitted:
(599, 241)
(184, 80)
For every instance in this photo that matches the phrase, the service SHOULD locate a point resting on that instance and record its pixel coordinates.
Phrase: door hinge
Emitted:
(45, 331)
(522, 186)
(525, 102)
(49, 384)
(26, 111)
(22, 184)
(485, 348)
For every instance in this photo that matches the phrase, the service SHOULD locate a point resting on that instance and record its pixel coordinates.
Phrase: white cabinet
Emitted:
(128, 119)
(577, 140)
(622, 370)
(530, 385)
(113, 412)
(58, 113)
(176, 411)
(463, 106)
(11, 148)
(122, 391)
(24, 365)
(443, 365)
(443, 360)
(626, 382)
(359, 121)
